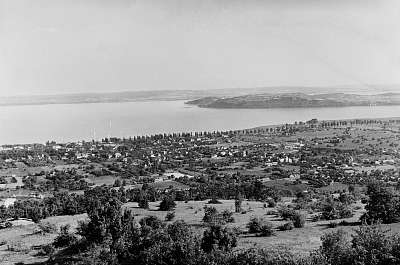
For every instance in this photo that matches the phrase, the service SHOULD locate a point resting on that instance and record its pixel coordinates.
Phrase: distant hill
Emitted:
(296, 100)
(205, 96)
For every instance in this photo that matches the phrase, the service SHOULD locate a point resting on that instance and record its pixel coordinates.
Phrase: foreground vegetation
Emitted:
(113, 236)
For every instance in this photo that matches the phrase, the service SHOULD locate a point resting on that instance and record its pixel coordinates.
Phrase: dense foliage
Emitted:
(113, 236)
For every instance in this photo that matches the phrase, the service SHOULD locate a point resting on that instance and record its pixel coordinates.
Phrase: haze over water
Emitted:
(74, 122)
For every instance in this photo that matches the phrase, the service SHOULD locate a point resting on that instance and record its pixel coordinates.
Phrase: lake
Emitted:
(73, 122)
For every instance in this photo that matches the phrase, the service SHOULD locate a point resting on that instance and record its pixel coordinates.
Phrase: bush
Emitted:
(143, 203)
(47, 228)
(151, 221)
(271, 203)
(259, 256)
(286, 226)
(266, 229)
(170, 216)
(218, 237)
(258, 225)
(286, 213)
(210, 214)
(46, 250)
(335, 247)
(227, 216)
(299, 220)
(65, 238)
(167, 204)
(383, 205)
(333, 210)
(255, 224)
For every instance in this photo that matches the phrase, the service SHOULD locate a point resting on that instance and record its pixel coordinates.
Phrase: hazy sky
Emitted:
(61, 46)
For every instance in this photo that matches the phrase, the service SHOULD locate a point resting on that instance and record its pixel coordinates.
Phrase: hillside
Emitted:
(297, 100)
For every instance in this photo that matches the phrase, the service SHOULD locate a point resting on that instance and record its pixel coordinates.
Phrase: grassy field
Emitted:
(20, 243)
(298, 240)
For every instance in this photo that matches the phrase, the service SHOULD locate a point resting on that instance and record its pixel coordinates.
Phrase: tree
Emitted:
(65, 238)
(259, 226)
(210, 215)
(238, 204)
(336, 248)
(370, 245)
(382, 205)
(373, 246)
(151, 221)
(170, 216)
(298, 220)
(333, 210)
(117, 183)
(218, 237)
(143, 202)
(174, 245)
(167, 204)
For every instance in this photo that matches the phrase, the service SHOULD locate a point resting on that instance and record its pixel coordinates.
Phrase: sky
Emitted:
(69, 46)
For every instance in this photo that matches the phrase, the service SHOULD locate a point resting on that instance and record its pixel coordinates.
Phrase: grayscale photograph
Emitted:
(199, 132)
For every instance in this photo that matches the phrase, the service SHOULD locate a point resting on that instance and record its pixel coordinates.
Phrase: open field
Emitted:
(298, 240)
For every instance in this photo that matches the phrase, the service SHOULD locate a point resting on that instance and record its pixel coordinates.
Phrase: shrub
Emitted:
(210, 214)
(335, 247)
(238, 204)
(271, 203)
(227, 216)
(286, 213)
(255, 224)
(259, 226)
(259, 256)
(237, 230)
(47, 228)
(167, 204)
(382, 205)
(218, 237)
(151, 221)
(46, 250)
(286, 226)
(143, 203)
(117, 183)
(299, 220)
(266, 229)
(170, 216)
(372, 245)
(333, 210)
(65, 238)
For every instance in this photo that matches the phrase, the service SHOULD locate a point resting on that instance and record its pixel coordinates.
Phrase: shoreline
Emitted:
(237, 130)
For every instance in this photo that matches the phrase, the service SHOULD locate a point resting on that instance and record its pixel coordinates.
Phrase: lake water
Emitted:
(72, 122)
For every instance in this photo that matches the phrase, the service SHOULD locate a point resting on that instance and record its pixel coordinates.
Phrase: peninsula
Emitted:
(296, 100)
